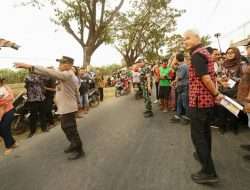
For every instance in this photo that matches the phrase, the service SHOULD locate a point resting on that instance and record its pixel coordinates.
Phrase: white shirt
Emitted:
(136, 77)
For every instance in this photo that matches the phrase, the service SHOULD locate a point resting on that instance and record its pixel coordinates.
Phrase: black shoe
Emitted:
(148, 114)
(222, 131)
(196, 157)
(236, 131)
(245, 147)
(69, 149)
(185, 122)
(30, 135)
(175, 119)
(203, 178)
(246, 158)
(45, 130)
(76, 155)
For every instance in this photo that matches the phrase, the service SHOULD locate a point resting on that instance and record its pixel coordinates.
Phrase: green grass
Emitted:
(17, 88)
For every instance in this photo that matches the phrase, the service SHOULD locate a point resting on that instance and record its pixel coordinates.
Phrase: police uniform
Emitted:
(67, 104)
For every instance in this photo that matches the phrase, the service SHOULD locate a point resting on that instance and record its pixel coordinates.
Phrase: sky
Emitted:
(42, 41)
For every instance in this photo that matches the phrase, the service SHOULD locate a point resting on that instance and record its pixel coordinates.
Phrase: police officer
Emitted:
(146, 81)
(66, 99)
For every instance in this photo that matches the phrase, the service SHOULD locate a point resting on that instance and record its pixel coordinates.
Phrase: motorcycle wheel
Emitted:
(17, 126)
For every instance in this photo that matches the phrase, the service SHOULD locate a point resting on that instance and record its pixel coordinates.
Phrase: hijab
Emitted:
(232, 63)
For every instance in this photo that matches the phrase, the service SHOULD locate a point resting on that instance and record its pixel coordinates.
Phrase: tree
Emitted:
(108, 70)
(175, 43)
(142, 30)
(87, 21)
(206, 40)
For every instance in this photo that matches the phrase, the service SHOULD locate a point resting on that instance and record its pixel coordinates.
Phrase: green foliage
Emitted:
(206, 40)
(109, 69)
(12, 76)
(141, 31)
(88, 22)
(174, 43)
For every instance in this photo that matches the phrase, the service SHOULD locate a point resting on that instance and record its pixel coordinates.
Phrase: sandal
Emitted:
(7, 151)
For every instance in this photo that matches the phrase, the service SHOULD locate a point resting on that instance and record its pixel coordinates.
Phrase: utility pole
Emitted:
(217, 35)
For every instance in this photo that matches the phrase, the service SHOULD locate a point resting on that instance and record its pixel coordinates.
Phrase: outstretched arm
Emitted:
(60, 75)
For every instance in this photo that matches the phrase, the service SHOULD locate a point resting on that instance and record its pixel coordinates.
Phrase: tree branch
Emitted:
(102, 11)
(81, 21)
(71, 31)
(111, 17)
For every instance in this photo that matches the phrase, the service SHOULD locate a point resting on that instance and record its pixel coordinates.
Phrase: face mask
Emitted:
(164, 65)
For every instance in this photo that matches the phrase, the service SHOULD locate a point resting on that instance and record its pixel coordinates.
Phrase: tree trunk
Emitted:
(129, 61)
(87, 53)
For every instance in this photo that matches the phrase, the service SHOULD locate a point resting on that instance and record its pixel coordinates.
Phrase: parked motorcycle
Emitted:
(94, 97)
(20, 123)
(21, 116)
(118, 88)
(121, 87)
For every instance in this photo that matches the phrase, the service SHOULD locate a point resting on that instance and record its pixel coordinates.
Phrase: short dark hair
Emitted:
(165, 60)
(215, 49)
(210, 50)
(180, 57)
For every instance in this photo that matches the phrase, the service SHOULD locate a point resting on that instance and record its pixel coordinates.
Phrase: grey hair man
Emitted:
(202, 97)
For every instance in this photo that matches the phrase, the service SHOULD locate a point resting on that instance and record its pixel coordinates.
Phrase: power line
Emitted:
(215, 8)
(236, 29)
(212, 14)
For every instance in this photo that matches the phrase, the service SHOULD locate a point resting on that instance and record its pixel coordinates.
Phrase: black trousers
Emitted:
(5, 129)
(226, 119)
(69, 127)
(101, 93)
(37, 113)
(157, 90)
(201, 137)
(49, 106)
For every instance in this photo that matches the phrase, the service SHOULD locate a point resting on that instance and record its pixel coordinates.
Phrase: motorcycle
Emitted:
(118, 88)
(21, 116)
(93, 93)
(94, 97)
(20, 123)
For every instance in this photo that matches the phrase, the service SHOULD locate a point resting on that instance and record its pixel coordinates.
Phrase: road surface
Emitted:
(124, 152)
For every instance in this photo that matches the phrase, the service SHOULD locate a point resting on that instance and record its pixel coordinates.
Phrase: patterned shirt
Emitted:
(199, 95)
(35, 88)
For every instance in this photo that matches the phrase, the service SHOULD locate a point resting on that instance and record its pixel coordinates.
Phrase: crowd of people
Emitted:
(193, 84)
(171, 80)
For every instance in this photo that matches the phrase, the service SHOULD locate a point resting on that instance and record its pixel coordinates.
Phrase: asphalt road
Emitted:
(124, 152)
